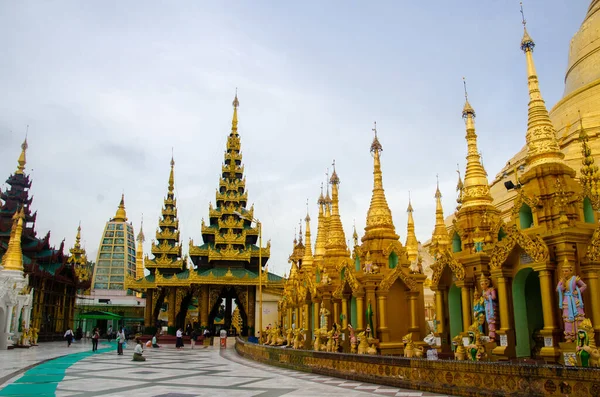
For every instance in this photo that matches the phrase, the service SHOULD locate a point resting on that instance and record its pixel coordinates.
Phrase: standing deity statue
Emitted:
(490, 301)
(323, 313)
(570, 301)
(479, 310)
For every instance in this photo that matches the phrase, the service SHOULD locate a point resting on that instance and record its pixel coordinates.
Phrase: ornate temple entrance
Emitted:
(226, 300)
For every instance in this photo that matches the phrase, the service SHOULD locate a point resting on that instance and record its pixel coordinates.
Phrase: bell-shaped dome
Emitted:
(584, 55)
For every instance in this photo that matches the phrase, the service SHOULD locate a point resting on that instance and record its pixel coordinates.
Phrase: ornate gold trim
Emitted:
(535, 248)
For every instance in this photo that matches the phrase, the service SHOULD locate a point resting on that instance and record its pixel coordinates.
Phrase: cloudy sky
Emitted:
(109, 87)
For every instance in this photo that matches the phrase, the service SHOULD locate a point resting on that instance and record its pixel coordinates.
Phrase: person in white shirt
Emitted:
(179, 335)
(137, 351)
(69, 337)
(120, 341)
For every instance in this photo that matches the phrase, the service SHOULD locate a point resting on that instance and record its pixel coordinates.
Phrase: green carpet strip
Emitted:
(42, 380)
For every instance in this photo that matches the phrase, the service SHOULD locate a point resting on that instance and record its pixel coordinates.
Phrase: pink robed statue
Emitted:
(570, 301)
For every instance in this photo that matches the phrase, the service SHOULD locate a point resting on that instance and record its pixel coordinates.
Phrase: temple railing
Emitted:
(460, 378)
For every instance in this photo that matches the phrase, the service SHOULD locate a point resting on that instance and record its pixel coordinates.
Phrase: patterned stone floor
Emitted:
(201, 372)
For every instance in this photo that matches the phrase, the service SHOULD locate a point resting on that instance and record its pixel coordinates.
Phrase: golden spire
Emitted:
(121, 215)
(78, 237)
(412, 245)
(172, 174)
(440, 233)
(355, 235)
(321, 227)
(234, 120)
(336, 239)
(590, 176)
(22, 158)
(379, 216)
(13, 257)
(140, 237)
(139, 252)
(476, 190)
(307, 241)
(542, 146)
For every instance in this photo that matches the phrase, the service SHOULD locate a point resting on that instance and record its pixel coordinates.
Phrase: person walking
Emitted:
(193, 338)
(120, 341)
(69, 336)
(95, 337)
(179, 335)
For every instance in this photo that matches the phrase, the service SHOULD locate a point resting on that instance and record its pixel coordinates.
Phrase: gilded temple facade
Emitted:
(373, 293)
(515, 287)
(224, 270)
(54, 278)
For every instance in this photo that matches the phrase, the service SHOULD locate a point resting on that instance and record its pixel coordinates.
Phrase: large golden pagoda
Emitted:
(225, 268)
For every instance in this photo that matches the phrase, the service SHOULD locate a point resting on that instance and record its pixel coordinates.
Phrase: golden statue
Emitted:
(460, 353)
(236, 321)
(410, 350)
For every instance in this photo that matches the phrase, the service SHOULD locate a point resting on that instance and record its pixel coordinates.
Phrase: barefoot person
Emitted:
(138, 350)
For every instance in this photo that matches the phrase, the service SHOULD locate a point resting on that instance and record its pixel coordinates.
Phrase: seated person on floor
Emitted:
(137, 352)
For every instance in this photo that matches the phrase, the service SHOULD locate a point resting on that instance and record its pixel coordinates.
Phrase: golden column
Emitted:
(172, 307)
(316, 314)
(148, 309)
(384, 332)
(439, 310)
(591, 275)
(306, 314)
(360, 312)
(465, 295)
(551, 334)
(203, 306)
(506, 328)
(336, 312)
(345, 312)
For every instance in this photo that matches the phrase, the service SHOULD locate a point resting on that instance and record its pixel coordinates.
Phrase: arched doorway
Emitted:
(397, 325)
(223, 308)
(455, 311)
(527, 305)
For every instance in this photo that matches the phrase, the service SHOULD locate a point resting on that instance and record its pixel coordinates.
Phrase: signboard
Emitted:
(432, 354)
(503, 340)
(548, 341)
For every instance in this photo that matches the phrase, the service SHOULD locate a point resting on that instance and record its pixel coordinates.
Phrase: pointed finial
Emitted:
(438, 194)
(307, 219)
(527, 43)
(334, 180)
(22, 157)
(375, 145)
(172, 157)
(236, 102)
(467, 109)
(410, 208)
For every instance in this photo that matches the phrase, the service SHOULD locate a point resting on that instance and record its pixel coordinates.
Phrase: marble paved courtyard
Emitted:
(199, 372)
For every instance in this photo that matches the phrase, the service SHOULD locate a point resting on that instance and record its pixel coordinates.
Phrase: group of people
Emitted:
(121, 339)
